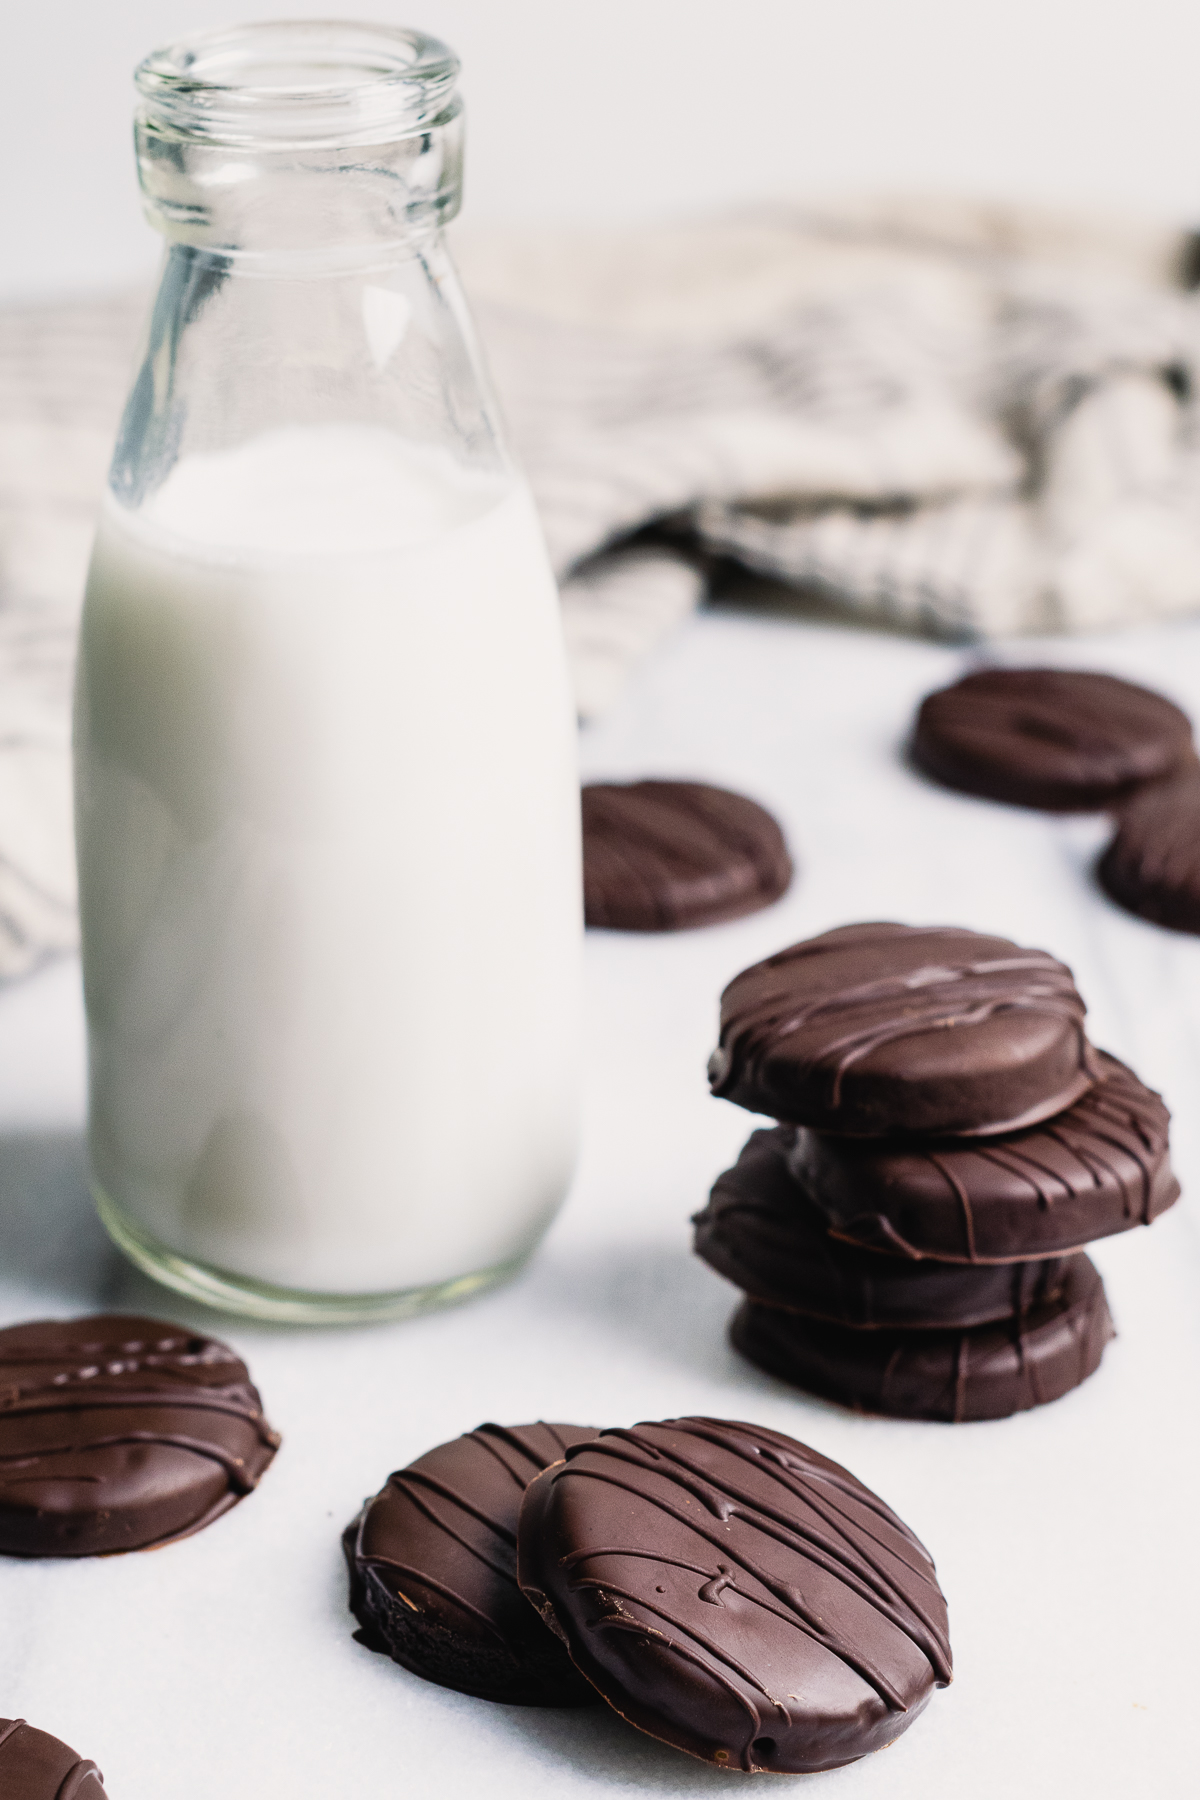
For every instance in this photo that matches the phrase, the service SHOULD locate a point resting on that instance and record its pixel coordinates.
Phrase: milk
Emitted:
(327, 814)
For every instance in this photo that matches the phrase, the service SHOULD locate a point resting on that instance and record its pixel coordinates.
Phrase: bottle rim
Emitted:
(300, 82)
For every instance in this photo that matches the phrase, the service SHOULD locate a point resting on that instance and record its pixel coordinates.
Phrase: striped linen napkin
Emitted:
(971, 420)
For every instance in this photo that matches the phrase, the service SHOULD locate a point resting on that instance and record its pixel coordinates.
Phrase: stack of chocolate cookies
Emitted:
(909, 1236)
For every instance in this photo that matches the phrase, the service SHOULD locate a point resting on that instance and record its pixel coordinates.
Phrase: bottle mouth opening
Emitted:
(319, 81)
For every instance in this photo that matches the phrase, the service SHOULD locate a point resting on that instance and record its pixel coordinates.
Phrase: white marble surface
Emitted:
(1066, 1539)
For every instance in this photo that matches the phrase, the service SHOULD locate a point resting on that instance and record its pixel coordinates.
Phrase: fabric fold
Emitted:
(970, 420)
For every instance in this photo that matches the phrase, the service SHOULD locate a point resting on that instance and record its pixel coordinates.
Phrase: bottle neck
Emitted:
(281, 206)
(302, 143)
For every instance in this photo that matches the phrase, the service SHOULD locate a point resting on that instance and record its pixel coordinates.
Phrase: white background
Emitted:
(223, 1667)
(644, 107)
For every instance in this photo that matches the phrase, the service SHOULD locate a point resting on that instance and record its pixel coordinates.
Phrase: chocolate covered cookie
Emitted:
(433, 1569)
(762, 1232)
(1064, 740)
(663, 855)
(117, 1433)
(36, 1766)
(989, 1372)
(1099, 1168)
(876, 1030)
(1152, 865)
(735, 1594)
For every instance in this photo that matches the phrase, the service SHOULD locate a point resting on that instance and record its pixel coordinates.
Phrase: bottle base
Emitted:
(278, 1305)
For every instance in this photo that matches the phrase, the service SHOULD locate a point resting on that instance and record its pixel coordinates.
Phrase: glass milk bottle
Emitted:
(327, 803)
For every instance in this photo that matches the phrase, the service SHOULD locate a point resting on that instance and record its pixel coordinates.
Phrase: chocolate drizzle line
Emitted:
(795, 1613)
(663, 855)
(609, 1588)
(1047, 1347)
(1118, 1113)
(960, 993)
(415, 1499)
(420, 1488)
(85, 1377)
(1122, 1113)
(762, 1231)
(502, 1434)
(833, 1549)
(218, 1400)
(1105, 1158)
(961, 1195)
(412, 1481)
(444, 1528)
(234, 1466)
(98, 1384)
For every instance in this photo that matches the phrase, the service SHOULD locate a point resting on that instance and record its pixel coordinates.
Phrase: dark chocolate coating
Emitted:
(989, 1372)
(735, 1594)
(875, 1030)
(1152, 865)
(117, 1433)
(433, 1569)
(36, 1766)
(1060, 739)
(664, 855)
(761, 1231)
(1099, 1168)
